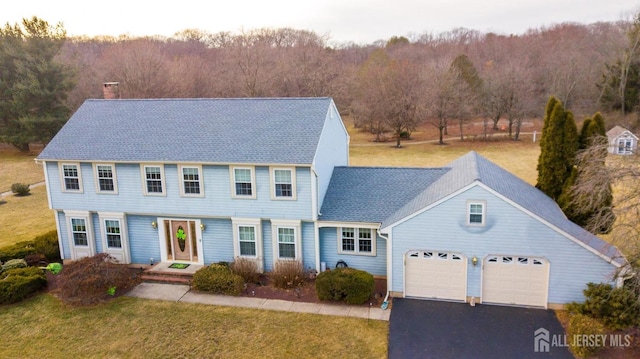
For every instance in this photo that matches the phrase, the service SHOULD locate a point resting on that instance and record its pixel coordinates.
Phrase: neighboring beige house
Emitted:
(622, 141)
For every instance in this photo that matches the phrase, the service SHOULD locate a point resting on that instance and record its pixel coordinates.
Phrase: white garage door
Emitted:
(515, 280)
(436, 275)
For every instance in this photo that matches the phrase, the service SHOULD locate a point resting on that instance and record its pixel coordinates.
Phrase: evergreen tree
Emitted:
(557, 149)
(33, 85)
(582, 208)
(582, 140)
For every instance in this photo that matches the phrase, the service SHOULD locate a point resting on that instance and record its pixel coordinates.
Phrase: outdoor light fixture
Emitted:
(474, 260)
(202, 226)
(154, 224)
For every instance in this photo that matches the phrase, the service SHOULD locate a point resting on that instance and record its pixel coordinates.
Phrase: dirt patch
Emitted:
(307, 292)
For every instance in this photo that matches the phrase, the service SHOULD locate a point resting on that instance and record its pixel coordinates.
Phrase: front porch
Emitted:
(163, 272)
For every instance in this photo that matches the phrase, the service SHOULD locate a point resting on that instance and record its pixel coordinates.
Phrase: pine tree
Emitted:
(557, 149)
(580, 207)
(33, 85)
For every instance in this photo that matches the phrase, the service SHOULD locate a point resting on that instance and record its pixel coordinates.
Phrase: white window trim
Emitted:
(286, 223)
(272, 179)
(484, 213)
(97, 178)
(625, 150)
(356, 251)
(257, 223)
(122, 254)
(163, 179)
(200, 181)
(232, 175)
(62, 177)
(78, 252)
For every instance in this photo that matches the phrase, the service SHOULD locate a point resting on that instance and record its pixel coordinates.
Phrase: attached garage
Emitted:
(515, 280)
(435, 275)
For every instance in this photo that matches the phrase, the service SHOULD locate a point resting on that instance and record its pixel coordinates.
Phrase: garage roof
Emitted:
(390, 195)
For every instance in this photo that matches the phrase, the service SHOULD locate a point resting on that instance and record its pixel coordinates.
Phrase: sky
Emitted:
(359, 21)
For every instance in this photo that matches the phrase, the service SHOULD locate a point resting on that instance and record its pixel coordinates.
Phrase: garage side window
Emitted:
(359, 241)
(476, 213)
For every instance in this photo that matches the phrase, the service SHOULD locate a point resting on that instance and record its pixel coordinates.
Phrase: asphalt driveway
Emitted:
(433, 329)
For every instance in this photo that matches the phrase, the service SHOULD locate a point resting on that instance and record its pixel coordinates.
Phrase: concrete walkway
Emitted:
(183, 293)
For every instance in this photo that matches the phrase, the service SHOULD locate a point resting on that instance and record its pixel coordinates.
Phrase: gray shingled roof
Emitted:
(371, 194)
(414, 189)
(617, 131)
(251, 130)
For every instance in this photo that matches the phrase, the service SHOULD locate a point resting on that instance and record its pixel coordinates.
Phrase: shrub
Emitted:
(20, 189)
(18, 250)
(247, 269)
(35, 260)
(345, 284)
(618, 308)
(14, 263)
(217, 279)
(288, 274)
(47, 245)
(19, 283)
(580, 324)
(88, 280)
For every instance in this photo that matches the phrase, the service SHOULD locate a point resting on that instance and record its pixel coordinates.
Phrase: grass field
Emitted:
(43, 327)
(17, 167)
(517, 157)
(23, 218)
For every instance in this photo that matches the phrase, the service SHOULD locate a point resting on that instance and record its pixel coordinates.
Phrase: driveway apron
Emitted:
(435, 329)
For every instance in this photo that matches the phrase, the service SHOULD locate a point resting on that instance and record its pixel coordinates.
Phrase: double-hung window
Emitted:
(112, 231)
(71, 177)
(286, 243)
(354, 240)
(105, 178)
(191, 180)
(476, 213)
(247, 239)
(79, 231)
(283, 183)
(153, 180)
(243, 182)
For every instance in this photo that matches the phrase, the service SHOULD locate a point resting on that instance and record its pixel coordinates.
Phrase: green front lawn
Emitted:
(137, 328)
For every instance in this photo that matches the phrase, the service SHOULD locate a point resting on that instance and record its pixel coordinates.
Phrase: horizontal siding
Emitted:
(217, 200)
(217, 240)
(333, 150)
(508, 231)
(308, 246)
(267, 246)
(376, 265)
(144, 240)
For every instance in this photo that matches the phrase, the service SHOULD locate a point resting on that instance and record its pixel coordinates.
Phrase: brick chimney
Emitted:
(110, 90)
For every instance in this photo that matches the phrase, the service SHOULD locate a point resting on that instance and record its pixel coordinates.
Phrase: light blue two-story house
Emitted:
(208, 180)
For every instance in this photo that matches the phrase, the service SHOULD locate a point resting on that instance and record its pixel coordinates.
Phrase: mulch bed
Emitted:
(306, 293)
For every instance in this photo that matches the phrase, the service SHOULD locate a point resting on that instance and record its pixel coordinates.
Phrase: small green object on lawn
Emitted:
(55, 268)
(179, 265)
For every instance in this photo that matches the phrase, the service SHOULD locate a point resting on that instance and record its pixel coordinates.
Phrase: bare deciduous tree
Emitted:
(623, 172)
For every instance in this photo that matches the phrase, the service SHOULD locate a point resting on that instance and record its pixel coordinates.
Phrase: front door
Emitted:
(181, 240)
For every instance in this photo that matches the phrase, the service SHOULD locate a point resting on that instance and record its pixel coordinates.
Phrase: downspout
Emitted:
(389, 261)
(316, 212)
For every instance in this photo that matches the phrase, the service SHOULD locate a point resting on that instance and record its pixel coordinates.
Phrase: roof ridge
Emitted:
(212, 99)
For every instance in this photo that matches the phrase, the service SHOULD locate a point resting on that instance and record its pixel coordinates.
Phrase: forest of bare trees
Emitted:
(387, 87)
